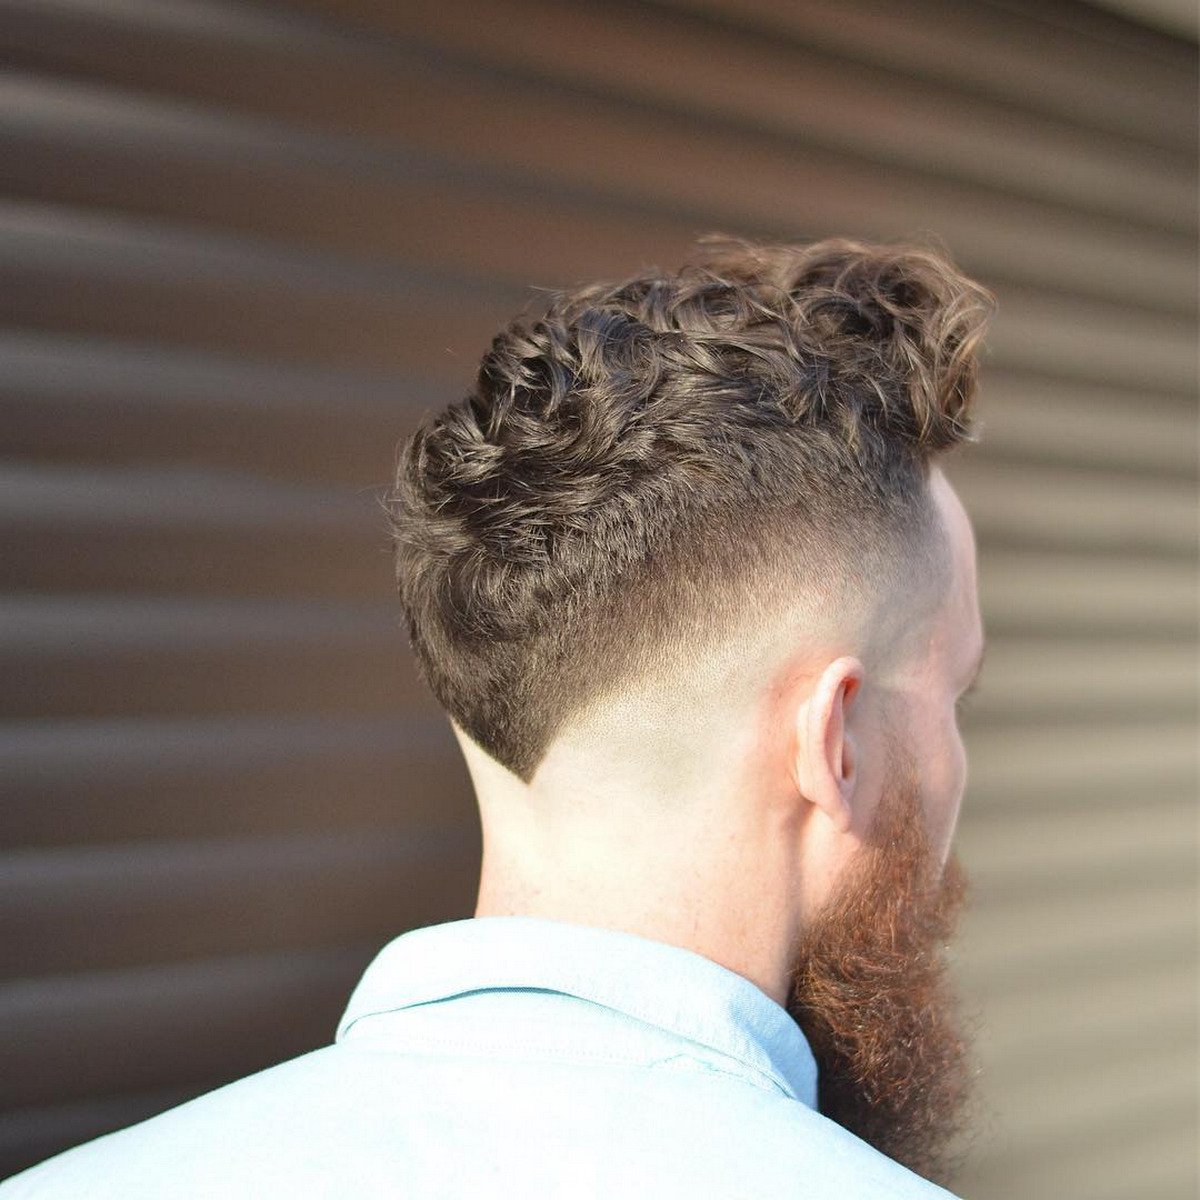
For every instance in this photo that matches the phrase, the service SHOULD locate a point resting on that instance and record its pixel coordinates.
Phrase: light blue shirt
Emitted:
(511, 1056)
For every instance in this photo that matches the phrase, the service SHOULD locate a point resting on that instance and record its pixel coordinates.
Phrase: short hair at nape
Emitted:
(648, 466)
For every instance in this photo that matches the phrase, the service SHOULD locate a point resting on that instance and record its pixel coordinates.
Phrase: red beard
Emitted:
(870, 990)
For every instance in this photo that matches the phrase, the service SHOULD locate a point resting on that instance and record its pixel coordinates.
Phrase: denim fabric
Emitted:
(512, 1056)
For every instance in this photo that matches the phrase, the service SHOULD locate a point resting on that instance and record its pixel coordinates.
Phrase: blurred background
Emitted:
(243, 247)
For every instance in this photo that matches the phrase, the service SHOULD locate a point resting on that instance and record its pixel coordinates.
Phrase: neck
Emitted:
(722, 895)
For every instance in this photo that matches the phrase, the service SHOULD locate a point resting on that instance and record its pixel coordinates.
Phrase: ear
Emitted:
(826, 750)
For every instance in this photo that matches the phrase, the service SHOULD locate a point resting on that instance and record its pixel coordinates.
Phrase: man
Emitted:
(700, 605)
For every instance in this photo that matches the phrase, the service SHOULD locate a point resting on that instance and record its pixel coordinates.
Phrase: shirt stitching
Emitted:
(520, 1048)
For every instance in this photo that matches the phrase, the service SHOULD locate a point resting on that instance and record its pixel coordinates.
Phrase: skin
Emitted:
(728, 844)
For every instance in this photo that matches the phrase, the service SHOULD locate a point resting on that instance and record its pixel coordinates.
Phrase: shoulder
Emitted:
(344, 1121)
(776, 1145)
(213, 1145)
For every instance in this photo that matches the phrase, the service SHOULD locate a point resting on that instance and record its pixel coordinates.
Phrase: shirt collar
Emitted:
(663, 985)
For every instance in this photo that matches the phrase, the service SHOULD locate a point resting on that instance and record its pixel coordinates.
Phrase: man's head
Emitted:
(684, 574)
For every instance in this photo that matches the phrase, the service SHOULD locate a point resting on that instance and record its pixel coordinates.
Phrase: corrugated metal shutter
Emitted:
(243, 247)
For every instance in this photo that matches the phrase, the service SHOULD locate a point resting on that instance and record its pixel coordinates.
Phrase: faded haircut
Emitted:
(649, 468)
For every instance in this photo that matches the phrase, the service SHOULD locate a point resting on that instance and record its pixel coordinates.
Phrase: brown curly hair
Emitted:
(648, 466)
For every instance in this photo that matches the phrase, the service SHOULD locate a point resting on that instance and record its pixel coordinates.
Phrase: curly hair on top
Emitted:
(648, 465)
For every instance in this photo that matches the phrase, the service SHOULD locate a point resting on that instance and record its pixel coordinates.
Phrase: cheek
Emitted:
(945, 782)
(955, 784)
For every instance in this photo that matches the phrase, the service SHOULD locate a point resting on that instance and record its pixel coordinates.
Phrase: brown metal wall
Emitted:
(243, 247)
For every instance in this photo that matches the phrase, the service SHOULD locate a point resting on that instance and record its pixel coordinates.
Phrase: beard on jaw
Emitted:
(870, 990)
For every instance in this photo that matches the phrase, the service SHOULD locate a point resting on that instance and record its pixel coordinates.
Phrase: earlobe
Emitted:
(827, 753)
